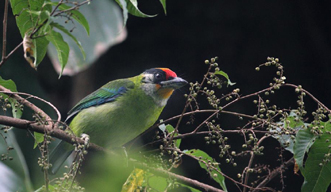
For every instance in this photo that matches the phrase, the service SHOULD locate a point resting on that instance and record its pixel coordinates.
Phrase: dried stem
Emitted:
(35, 97)
(250, 163)
(56, 7)
(274, 173)
(188, 103)
(310, 95)
(202, 161)
(71, 8)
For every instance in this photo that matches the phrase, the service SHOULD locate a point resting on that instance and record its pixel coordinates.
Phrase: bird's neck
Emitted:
(159, 98)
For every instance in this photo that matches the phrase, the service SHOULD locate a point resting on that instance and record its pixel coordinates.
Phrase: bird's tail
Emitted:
(59, 154)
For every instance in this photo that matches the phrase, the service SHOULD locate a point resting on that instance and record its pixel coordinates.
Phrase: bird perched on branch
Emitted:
(119, 111)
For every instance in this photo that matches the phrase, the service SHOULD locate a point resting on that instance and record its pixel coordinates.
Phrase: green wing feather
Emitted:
(107, 93)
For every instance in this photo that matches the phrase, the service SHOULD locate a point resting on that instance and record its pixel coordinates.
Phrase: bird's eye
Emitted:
(157, 75)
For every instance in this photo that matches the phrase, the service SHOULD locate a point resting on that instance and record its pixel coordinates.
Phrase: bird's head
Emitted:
(160, 83)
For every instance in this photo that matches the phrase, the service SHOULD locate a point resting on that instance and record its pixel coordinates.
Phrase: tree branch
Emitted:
(4, 32)
(185, 180)
(48, 129)
(250, 163)
(4, 40)
(60, 134)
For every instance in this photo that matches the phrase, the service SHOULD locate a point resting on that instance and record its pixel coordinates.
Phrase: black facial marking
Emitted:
(159, 74)
(170, 78)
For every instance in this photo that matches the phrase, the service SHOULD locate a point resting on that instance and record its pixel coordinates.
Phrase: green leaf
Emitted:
(17, 171)
(61, 46)
(222, 73)
(123, 5)
(41, 44)
(188, 187)
(135, 180)
(26, 13)
(138, 178)
(29, 15)
(133, 9)
(317, 172)
(10, 181)
(303, 141)
(64, 30)
(219, 178)
(286, 140)
(9, 84)
(158, 183)
(131, 6)
(170, 129)
(78, 16)
(107, 28)
(42, 15)
(292, 121)
(163, 2)
(50, 188)
(38, 138)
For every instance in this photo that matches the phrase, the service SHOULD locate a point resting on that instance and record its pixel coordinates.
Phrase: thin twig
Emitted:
(14, 50)
(10, 53)
(38, 98)
(56, 7)
(44, 153)
(310, 95)
(71, 8)
(186, 180)
(188, 104)
(274, 173)
(4, 32)
(250, 163)
(214, 168)
(26, 103)
(230, 103)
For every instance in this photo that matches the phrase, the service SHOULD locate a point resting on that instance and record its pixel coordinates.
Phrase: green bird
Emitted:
(119, 111)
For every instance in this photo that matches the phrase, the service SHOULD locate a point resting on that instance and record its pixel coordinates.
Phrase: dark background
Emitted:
(241, 33)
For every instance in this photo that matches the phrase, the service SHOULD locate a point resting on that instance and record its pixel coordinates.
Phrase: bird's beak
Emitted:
(174, 83)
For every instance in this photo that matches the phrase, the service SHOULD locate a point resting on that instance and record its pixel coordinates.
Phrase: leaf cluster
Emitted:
(38, 25)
